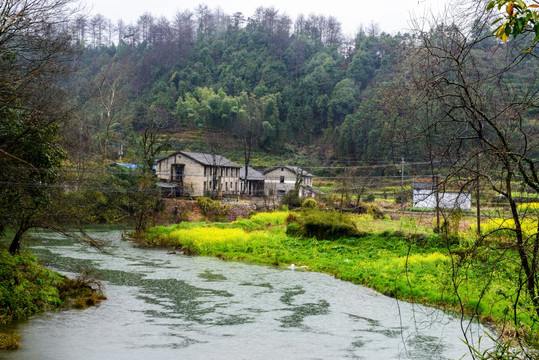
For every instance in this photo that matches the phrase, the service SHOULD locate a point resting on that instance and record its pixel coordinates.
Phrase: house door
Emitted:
(177, 177)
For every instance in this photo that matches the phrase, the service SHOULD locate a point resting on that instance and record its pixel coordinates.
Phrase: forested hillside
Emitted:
(296, 81)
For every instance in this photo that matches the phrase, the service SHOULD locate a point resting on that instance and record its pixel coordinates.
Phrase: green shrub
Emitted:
(292, 217)
(309, 203)
(375, 212)
(401, 198)
(368, 198)
(291, 199)
(25, 287)
(211, 209)
(293, 229)
(325, 225)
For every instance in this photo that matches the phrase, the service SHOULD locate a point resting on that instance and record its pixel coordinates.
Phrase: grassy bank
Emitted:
(26, 289)
(398, 258)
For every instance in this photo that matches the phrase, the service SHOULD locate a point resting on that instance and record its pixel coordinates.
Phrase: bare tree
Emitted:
(247, 130)
(467, 79)
(184, 31)
(35, 49)
(98, 29)
(111, 91)
(152, 141)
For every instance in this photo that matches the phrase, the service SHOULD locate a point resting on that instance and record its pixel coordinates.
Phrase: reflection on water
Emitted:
(165, 306)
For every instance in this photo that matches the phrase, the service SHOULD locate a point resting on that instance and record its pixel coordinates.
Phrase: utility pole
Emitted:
(436, 192)
(478, 186)
(121, 152)
(402, 173)
(402, 183)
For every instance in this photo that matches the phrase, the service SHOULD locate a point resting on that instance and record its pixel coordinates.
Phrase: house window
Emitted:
(205, 171)
(205, 186)
(281, 180)
(282, 169)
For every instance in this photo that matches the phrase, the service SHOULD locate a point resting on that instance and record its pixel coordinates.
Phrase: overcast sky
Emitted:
(390, 15)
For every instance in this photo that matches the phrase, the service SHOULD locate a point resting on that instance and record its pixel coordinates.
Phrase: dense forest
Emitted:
(302, 83)
(298, 84)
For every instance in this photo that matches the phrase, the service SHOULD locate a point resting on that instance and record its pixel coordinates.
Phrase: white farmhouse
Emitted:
(424, 196)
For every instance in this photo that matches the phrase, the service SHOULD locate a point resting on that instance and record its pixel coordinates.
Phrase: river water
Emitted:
(165, 306)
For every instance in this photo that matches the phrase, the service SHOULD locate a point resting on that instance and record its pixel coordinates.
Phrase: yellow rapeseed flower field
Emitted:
(505, 227)
(211, 239)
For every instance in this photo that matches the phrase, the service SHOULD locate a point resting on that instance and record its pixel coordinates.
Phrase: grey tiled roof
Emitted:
(422, 185)
(207, 159)
(252, 174)
(294, 169)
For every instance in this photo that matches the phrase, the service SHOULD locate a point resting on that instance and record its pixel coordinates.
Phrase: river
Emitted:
(166, 306)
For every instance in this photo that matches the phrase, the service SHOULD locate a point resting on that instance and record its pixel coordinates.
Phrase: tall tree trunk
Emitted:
(527, 266)
(15, 246)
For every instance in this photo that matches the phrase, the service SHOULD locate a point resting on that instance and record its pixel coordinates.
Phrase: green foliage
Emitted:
(261, 221)
(25, 287)
(354, 105)
(207, 108)
(518, 18)
(368, 198)
(375, 212)
(309, 203)
(293, 229)
(401, 198)
(291, 199)
(325, 225)
(213, 210)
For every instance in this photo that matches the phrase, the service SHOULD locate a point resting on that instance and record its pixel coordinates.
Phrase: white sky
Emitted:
(390, 15)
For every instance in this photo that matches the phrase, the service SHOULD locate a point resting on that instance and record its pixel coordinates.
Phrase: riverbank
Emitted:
(26, 289)
(397, 258)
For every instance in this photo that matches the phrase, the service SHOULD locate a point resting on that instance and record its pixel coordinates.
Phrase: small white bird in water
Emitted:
(293, 267)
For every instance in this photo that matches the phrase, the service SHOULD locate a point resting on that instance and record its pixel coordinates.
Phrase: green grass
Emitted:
(26, 289)
(398, 258)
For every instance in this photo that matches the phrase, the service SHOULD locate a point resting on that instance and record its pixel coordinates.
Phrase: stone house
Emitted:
(282, 179)
(196, 174)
